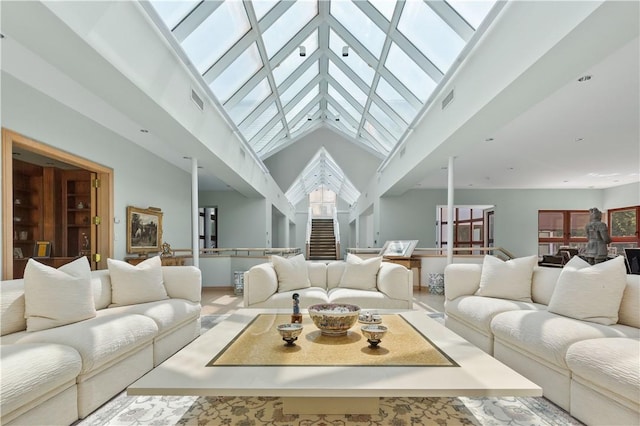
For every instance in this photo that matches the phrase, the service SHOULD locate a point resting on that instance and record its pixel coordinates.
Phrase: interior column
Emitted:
(195, 216)
(450, 212)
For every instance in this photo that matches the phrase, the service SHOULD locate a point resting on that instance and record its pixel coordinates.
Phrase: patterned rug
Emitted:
(267, 411)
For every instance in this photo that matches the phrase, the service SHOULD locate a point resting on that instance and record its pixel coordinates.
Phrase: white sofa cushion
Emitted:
(611, 363)
(317, 274)
(365, 299)
(590, 293)
(629, 313)
(30, 371)
(507, 280)
(100, 341)
(478, 311)
(549, 336)
(12, 307)
(543, 282)
(166, 313)
(141, 283)
(360, 274)
(284, 300)
(291, 272)
(55, 297)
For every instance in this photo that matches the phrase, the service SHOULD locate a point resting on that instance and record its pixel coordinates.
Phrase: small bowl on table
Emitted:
(373, 333)
(290, 332)
(334, 319)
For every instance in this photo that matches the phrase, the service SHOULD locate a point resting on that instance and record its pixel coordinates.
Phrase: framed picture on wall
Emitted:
(398, 248)
(144, 230)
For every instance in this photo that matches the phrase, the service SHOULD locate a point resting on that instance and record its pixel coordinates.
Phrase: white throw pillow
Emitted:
(360, 273)
(133, 284)
(507, 280)
(55, 297)
(291, 272)
(590, 293)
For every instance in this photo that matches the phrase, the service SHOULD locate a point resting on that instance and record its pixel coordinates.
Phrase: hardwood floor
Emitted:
(221, 300)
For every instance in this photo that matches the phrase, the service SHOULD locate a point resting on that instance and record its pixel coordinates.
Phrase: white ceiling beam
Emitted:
(194, 19)
(452, 18)
(274, 14)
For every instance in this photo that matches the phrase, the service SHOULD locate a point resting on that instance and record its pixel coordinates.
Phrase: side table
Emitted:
(409, 263)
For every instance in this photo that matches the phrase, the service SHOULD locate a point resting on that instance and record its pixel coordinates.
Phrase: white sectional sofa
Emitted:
(385, 286)
(587, 363)
(60, 374)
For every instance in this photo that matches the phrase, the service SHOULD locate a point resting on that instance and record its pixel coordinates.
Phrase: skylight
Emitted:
(363, 68)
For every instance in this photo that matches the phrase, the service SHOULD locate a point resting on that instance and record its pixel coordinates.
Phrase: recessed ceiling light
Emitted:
(584, 78)
(144, 131)
(579, 139)
(489, 139)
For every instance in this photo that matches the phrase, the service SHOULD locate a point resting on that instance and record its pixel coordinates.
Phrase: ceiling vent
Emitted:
(447, 99)
(197, 100)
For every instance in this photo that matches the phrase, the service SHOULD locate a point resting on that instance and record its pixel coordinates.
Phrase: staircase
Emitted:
(322, 244)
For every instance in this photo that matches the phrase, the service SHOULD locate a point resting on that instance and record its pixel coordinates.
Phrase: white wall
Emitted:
(621, 196)
(242, 221)
(140, 178)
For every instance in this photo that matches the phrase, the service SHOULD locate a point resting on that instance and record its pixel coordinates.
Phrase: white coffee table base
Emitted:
(310, 405)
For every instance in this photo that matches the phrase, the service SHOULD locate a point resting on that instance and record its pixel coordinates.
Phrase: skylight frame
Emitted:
(279, 132)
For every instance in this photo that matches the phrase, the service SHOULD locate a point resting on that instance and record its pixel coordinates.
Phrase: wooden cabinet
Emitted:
(27, 212)
(78, 202)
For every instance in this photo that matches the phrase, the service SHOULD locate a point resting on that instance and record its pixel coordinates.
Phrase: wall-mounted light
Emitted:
(303, 51)
(345, 51)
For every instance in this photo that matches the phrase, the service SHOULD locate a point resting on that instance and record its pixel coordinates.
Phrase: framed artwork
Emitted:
(398, 248)
(144, 230)
(42, 249)
(17, 253)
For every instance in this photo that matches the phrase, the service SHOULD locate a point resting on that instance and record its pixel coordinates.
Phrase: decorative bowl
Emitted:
(290, 332)
(369, 317)
(373, 333)
(334, 319)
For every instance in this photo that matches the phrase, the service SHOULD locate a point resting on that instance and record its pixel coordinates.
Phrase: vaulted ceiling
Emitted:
(281, 69)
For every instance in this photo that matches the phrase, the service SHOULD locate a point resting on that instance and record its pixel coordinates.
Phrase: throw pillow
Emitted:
(360, 273)
(507, 280)
(590, 293)
(291, 272)
(55, 297)
(133, 284)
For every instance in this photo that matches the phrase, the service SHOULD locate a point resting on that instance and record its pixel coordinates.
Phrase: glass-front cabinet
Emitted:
(53, 215)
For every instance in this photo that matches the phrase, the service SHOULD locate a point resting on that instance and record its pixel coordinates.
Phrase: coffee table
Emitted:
(332, 389)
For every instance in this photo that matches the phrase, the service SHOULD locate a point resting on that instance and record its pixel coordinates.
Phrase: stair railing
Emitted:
(336, 231)
(308, 234)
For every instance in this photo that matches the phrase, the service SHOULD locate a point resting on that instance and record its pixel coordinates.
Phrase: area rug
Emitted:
(267, 411)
